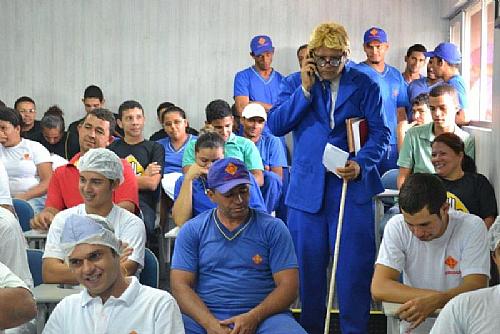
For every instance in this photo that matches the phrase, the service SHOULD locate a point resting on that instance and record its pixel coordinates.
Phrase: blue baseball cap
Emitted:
(261, 44)
(225, 174)
(447, 51)
(375, 34)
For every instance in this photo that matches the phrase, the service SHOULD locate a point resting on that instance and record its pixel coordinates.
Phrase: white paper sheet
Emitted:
(334, 157)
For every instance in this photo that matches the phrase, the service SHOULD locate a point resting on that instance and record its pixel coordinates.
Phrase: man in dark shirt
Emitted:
(26, 107)
(146, 158)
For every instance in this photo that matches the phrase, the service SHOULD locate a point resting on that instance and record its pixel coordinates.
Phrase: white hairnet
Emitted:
(102, 161)
(87, 229)
(494, 234)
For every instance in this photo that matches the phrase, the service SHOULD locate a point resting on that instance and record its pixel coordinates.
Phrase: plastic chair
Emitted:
(35, 264)
(24, 213)
(390, 179)
(150, 273)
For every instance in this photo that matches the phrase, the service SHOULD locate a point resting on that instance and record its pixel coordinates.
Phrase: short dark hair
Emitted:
(53, 119)
(415, 48)
(2, 104)
(23, 99)
(11, 115)
(303, 46)
(163, 106)
(172, 109)
(422, 190)
(443, 89)
(127, 105)
(93, 92)
(421, 99)
(209, 139)
(217, 109)
(105, 115)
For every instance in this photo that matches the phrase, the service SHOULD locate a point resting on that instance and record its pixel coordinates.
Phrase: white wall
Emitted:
(184, 51)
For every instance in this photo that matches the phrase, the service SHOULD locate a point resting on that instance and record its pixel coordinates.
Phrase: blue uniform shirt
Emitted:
(394, 93)
(458, 83)
(249, 83)
(201, 202)
(173, 158)
(271, 149)
(238, 273)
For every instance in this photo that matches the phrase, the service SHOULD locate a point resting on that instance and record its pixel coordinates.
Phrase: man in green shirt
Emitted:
(415, 154)
(220, 117)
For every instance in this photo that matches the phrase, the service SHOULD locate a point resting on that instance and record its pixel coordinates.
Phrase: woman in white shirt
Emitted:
(28, 163)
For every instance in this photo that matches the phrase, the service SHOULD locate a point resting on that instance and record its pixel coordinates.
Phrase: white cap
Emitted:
(102, 161)
(494, 234)
(87, 229)
(254, 110)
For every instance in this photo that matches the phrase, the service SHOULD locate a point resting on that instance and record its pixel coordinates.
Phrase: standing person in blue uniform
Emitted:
(259, 83)
(393, 89)
(315, 107)
(424, 84)
(234, 269)
(415, 61)
(446, 66)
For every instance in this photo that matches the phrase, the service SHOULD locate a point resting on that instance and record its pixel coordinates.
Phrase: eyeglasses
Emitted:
(27, 111)
(332, 61)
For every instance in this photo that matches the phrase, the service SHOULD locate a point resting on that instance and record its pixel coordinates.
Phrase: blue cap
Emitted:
(225, 174)
(447, 51)
(375, 34)
(261, 44)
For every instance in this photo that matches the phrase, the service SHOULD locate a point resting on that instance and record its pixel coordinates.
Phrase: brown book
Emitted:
(357, 133)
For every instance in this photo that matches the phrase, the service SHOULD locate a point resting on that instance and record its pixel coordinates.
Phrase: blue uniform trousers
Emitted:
(281, 323)
(271, 190)
(314, 238)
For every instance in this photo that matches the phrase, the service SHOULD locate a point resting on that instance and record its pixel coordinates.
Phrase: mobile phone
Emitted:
(314, 71)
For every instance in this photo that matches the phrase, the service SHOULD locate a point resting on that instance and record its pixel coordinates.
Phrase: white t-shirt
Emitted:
(4, 186)
(9, 280)
(13, 247)
(474, 312)
(140, 309)
(439, 264)
(128, 228)
(20, 162)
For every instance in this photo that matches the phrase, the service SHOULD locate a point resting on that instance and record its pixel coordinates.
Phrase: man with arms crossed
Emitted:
(234, 268)
(101, 171)
(441, 253)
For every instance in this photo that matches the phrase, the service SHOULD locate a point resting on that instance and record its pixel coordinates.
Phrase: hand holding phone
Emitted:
(308, 71)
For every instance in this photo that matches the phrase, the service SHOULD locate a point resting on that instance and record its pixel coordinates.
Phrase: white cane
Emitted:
(335, 257)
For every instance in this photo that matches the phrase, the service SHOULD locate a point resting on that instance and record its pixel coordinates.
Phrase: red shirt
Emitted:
(63, 189)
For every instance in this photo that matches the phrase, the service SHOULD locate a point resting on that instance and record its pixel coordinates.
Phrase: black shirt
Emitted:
(31, 133)
(139, 156)
(475, 192)
(63, 148)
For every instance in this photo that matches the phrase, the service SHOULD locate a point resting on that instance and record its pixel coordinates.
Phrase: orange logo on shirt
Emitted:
(257, 259)
(26, 156)
(231, 169)
(451, 262)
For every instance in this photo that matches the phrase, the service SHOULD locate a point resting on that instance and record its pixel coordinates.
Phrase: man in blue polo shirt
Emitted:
(392, 87)
(446, 66)
(258, 83)
(234, 269)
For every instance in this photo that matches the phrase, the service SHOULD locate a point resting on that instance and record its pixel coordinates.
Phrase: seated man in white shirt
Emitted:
(441, 253)
(110, 302)
(474, 312)
(17, 305)
(101, 171)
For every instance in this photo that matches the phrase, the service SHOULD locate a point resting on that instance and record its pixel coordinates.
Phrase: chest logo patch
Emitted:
(451, 262)
(257, 259)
